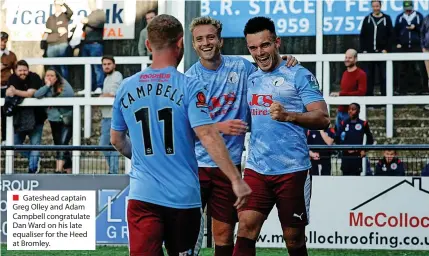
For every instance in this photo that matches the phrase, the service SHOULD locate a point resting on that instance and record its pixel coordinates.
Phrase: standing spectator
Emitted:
(57, 33)
(111, 84)
(8, 62)
(28, 121)
(351, 132)
(93, 43)
(60, 118)
(353, 83)
(424, 38)
(407, 29)
(390, 165)
(143, 34)
(376, 36)
(322, 157)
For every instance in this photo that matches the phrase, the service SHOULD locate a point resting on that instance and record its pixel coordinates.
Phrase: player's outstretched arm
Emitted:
(316, 117)
(215, 146)
(121, 142)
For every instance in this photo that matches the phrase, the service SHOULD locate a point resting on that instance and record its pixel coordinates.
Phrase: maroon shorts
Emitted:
(290, 192)
(217, 194)
(149, 225)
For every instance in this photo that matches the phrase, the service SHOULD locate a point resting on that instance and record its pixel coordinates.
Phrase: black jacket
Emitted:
(377, 34)
(405, 37)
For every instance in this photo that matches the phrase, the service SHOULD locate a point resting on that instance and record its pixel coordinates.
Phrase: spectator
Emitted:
(376, 36)
(425, 171)
(93, 43)
(351, 132)
(321, 158)
(60, 118)
(28, 121)
(407, 29)
(390, 165)
(111, 84)
(57, 33)
(143, 34)
(353, 83)
(424, 37)
(8, 62)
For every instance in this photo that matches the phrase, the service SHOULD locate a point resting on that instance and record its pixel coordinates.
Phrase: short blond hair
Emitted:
(206, 21)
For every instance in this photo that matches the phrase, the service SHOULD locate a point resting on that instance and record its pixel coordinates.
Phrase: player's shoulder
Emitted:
(236, 59)
(127, 81)
(192, 70)
(258, 73)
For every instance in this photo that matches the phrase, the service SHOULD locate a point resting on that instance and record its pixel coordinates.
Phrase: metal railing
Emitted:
(93, 161)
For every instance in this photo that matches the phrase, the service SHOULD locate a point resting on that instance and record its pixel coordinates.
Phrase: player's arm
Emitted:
(316, 117)
(215, 146)
(118, 130)
(210, 138)
(121, 142)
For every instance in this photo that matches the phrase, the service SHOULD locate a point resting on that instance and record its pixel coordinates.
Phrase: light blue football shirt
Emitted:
(160, 108)
(227, 89)
(279, 147)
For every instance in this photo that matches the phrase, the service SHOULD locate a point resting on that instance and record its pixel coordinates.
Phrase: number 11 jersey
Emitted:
(160, 108)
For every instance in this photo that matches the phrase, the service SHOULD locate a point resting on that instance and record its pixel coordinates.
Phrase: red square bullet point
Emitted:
(15, 197)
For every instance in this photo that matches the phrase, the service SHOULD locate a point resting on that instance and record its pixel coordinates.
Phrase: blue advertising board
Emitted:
(298, 17)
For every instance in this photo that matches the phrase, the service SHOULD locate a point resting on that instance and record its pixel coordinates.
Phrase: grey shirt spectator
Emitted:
(111, 85)
(142, 45)
(55, 113)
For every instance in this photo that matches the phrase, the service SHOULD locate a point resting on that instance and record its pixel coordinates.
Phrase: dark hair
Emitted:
(356, 104)
(151, 11)
(4, 35)
(376, 1)
(259, 24)
(22, 63)
(58, 86)
(108, 57)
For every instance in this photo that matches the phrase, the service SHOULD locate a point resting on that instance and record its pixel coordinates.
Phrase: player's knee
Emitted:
(223, 234)
(248, 229)
(295, 238)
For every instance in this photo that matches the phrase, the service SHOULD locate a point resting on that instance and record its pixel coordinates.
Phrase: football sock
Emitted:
(244, 247)
(302, 251)
(224, 250)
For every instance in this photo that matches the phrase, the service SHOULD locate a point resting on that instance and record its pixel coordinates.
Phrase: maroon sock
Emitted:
(302, 251)
(244, 247)
(224, 250)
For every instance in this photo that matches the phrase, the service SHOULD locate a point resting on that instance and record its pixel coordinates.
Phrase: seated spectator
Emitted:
(60, 118)
(8, 62)
(390, 165)
(27, 121)
(425, 171)
(351, 132)
(353, 83)
(111, 84)
(320, 158)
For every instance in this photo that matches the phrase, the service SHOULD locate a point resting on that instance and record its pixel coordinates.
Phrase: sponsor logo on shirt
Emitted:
(201, 100)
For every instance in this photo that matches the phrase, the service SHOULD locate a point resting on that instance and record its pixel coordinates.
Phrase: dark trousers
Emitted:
(325, 164)
(351, 164)
(62, 135)
(376, 69)
(411, 76)
(3, 117)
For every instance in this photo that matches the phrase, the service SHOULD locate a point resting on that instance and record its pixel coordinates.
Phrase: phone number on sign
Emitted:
(339, 23)
(292, 25)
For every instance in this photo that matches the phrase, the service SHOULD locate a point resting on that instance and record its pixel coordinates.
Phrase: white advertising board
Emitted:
(362, 213)
(26, 19)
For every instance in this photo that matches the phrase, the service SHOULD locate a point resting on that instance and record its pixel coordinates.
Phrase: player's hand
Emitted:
(278, 113)
(10, 92)
(315, 155)
(411, 27)
(233, 127)
(241, 191)
(290, 61)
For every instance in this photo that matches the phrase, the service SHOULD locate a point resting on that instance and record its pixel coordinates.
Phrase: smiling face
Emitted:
(206, 42)
(22, 71)
(264, 48)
